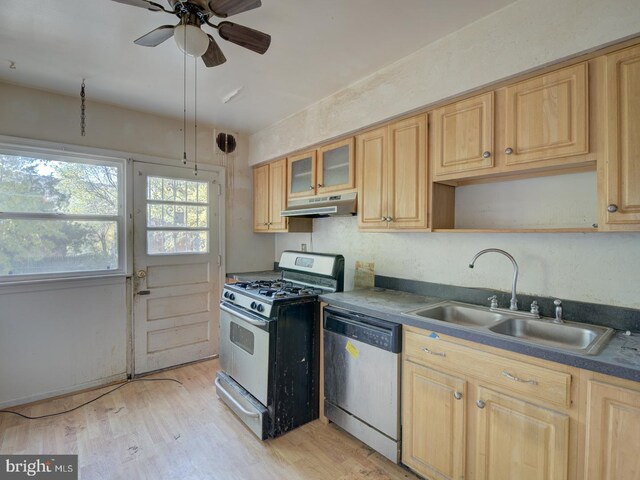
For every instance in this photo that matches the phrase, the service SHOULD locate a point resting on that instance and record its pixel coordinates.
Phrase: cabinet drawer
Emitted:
(517, 376)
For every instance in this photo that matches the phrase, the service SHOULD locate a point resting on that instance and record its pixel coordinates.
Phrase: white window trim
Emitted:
(120, 218)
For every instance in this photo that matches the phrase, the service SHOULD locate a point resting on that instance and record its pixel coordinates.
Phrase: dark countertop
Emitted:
(620, 358)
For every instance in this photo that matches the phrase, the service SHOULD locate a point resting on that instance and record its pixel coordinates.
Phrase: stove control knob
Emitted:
(232, 296)
(260, 308)
(254, 305)
(226, 295)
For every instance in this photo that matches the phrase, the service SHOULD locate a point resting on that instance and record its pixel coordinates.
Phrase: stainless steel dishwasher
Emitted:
(362, 378)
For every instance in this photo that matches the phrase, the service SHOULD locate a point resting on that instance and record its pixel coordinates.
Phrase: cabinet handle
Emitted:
(486, 154)
(457, 395)
(612, 208)
(431, 352)
(320, 185)
(518, 379)
(383, 219)
(508, 150)
(480, 403)
(311, 187)
(265, 224)
(389, 219)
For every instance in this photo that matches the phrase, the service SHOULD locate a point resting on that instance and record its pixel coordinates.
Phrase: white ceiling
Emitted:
(318, 47)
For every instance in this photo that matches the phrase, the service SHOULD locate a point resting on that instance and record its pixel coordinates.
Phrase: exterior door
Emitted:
(176, 265)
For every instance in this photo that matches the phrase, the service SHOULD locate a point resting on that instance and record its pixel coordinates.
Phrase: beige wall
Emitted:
(520, 37)
(592, 267)
(39, 115)
(59, 337)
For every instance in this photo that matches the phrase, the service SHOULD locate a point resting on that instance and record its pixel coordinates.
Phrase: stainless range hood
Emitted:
(329, 206)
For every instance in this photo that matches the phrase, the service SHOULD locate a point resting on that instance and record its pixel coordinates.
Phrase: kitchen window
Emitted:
(61, 215)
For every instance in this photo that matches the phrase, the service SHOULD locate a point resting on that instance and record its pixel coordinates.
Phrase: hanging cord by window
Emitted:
(195, 114)
(184, 101)
(93, 400)
(83, 116)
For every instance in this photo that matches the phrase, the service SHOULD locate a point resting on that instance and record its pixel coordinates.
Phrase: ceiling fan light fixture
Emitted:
(191, 40)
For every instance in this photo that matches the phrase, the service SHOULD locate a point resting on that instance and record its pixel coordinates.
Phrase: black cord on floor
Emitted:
(97, 398)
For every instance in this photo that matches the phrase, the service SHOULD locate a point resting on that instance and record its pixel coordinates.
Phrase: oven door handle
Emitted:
(234, 401)
(252, 321)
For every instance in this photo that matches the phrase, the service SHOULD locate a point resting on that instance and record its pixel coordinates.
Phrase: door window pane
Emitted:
(189, 216)
(177, 216)
(177, 190)
(168, 242)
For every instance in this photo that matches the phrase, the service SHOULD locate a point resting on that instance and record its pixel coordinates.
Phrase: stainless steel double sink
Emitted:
(571, 336)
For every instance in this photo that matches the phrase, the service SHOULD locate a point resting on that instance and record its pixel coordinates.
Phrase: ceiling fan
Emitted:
(190, 37)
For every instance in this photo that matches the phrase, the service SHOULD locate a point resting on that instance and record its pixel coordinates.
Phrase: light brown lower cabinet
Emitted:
(433, 422)
(613, 431)
(518, 439)
(470, 411)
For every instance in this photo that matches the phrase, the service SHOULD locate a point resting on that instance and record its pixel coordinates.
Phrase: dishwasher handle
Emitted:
(369, 330)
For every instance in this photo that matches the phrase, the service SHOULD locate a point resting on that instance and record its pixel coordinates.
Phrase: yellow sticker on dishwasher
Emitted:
(352, 349)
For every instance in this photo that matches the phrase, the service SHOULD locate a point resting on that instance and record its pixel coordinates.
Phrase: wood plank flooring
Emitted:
(162, 430)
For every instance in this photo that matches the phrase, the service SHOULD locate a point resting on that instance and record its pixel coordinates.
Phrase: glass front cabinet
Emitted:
(328, 169)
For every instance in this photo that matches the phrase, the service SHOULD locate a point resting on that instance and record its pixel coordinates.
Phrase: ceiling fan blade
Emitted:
(154, 7)
(155, 37)
(245, 37)
(213, 56)
(226, 8)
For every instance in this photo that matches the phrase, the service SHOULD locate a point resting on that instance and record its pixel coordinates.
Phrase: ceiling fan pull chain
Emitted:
(195, 114)
(83, 116)
(184, 104)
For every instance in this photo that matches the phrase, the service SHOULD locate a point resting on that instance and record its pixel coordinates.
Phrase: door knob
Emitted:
(141, 273)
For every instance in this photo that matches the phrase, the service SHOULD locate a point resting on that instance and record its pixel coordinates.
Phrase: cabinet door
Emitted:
(623, 134)
(433, 422)
(302, 174)
(464, 136)
(516, 439)
(407, 174)
(613, 436)
(278, 195)
(547, 116)
(335, 170)
(261, 198)
(371, 165)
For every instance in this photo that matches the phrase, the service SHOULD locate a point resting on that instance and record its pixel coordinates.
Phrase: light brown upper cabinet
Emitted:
(328, 169)
(392, 176)
(542, 122)
(620, 201)
(463, 135)
(546, 117)
(270, 198)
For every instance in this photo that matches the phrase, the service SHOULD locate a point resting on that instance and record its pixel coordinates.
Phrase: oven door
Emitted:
(244, 350)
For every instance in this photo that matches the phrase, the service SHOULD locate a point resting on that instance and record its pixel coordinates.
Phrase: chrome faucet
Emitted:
(558, 304)
(514, 300)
